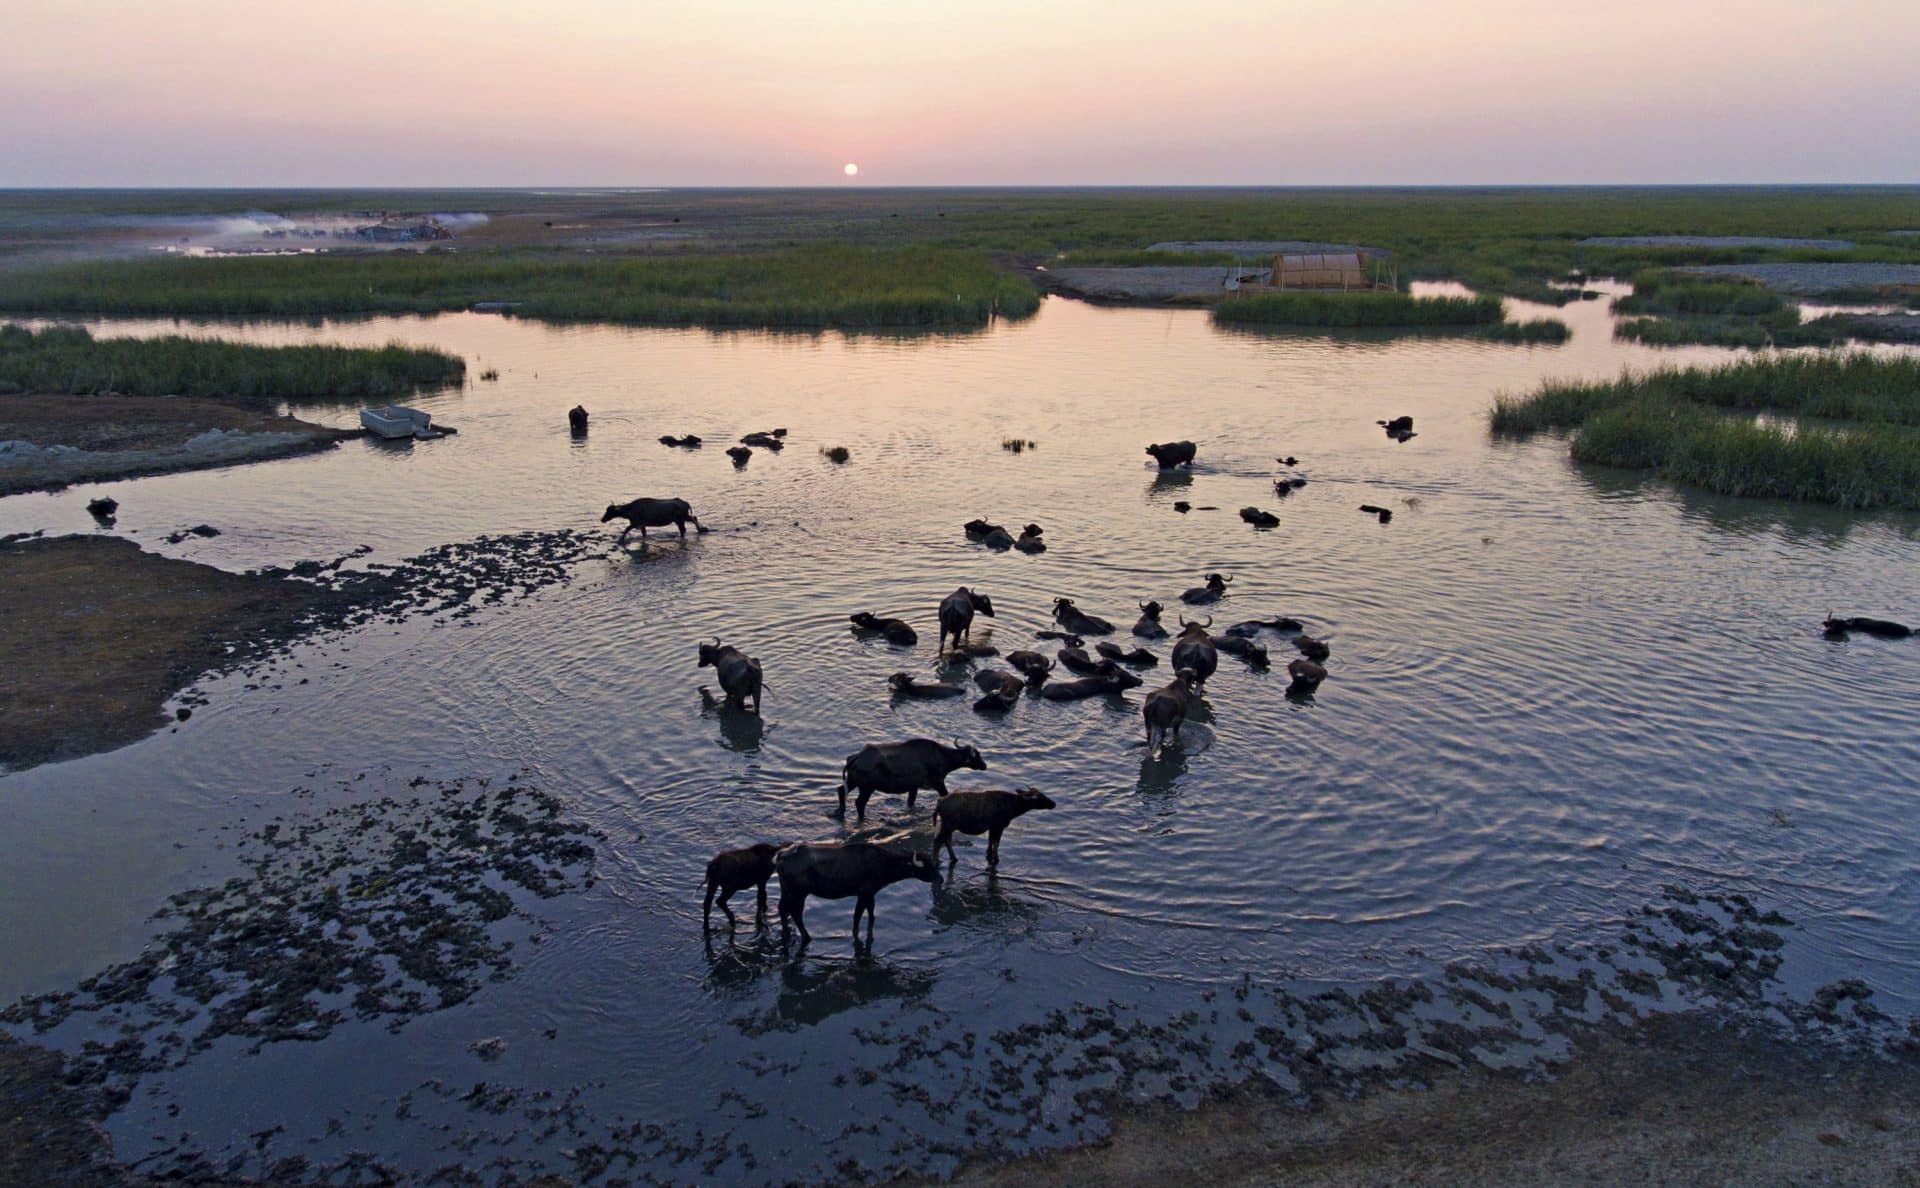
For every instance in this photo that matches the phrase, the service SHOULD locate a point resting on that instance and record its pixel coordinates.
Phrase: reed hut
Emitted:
(1320, 270)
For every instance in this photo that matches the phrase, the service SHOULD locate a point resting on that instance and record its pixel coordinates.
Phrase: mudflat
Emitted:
(54, 440)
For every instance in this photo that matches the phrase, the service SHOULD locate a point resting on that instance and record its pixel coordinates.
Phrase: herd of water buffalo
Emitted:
(859, 869)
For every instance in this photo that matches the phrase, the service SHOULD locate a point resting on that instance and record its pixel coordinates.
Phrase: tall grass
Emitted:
(69, 360)
(1356, 309)
(1677, 294)
(1851, 437)
(814, 286)
(1543, 330)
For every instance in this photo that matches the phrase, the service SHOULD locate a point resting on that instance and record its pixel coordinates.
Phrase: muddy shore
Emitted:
(53, 441)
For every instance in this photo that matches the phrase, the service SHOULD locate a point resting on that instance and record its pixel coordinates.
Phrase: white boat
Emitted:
(396, 421)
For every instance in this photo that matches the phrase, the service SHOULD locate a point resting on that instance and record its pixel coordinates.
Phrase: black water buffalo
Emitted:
(741, 455)
(1397, 425)
(1065, 637)
(736, 870)
(1879, 628)
(1385, 513)
(1239, 645)
(956, 613)
(999, 538)
(988, 812)
(1035, 666)
(1148, 625)
(1258, 518)
(1289, 460)
(1312, 648)
(979, 527)
(903, 767)
(1000, 689)
(1213, 591)
(1076, 660)
(577, 419)
(765, 441)
(903, 684)
(652, 513)
(1111, 679)
(896, 631)
(689, 442)
(842, 870)
(739, 673)
(970, 651)
(1138, 657)
(1030, 541)
(1194, 650)
(1077, 621)
(1249, 628)
(1166, 708)
(103, 508)
(1282, 487)
(1173, 453)
(1306, 677)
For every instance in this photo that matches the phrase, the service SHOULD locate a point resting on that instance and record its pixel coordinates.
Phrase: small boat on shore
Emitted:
(397, 421)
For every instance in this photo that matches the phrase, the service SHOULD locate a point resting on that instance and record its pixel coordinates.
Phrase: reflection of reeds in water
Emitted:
(1356, 309)
(69, 360)
(1823, 428)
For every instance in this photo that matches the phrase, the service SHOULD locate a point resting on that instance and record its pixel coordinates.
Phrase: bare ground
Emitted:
(1816, 280)
(99, 438)
(1676, 1101)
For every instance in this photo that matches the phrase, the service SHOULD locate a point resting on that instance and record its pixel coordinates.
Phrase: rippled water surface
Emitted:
(1553, 690)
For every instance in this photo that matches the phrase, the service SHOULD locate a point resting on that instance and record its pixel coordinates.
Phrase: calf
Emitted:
(1260, 519)
(645, 513)
(1138, 657)
(956, 614)
(903, 767)
(1239, 645)
(988, 812)
(1173, 453)
(1112, 679)
(1167, 708)
(1312, 648)
(842, 870)
(1306, 677)
(1195, 650)
(896, 631)
(903, 685)
(1148, 626)
(1213, 591)
(736, 870)
(1030, 541)
(1035, 666)
(1077, 621)
(739, 673)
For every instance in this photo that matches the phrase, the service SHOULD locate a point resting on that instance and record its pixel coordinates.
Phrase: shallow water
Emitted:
(1553, 690)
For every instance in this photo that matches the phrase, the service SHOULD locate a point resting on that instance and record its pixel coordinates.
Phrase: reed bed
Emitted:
(68, 360)
(1544, 330)
(1356, 310)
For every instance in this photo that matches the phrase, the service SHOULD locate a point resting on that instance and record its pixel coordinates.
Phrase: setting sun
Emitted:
(851, 170)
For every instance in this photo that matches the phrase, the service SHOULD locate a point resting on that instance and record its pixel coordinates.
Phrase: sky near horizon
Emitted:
(990, 92)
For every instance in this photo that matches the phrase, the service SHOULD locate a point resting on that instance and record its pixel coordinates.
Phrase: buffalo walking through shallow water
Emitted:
(844, 870)
(646, 512)
(738, 673)
(733, 871)
(903, 768)
(988, 812)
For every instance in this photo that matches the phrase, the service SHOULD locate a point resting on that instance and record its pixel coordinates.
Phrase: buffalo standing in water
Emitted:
(1213, 591)
(736, 870)
(988, 812)
(577, 420)
(738, 672)
(1148, 626)
(1194, 651)
(1167, 708)
(842, 870)
(647, 513)
(1173, 453)
(903, 767)
(956, 614)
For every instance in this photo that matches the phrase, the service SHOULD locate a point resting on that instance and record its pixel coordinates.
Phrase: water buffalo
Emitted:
(1112, 679)
(765, 441)
(689, 442)
(895, 630)
(1078, 622)
(1397, 425)
(1035, 666)
(979, 527)
(956, 614)
(1289, 460)
(988, 812)
(1296, 482)
(1166, 708)
(1312, 648)
(903, 767)
(1077, 660)
(577, 419)
(1138, 657)
(1879, 628)
(1258, 518)
(971, 651)
(1065, 637)
(1306, 677)
(1001, 689)
(741, 455)
(841, 870)
(736, 870)
(999, 538)
(1148, 626)
(1239, 645)
(1182, 506)
(739, 673)
(1173, 453)
(1213, 591)
(1194, 650)
(1249, 628)
(1282, 488)
(1030, 541)
(652, 513)
(904, 685)
(1385, 513)
(103, 508)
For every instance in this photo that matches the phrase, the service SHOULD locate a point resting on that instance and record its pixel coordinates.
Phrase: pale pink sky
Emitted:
(986, 92)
